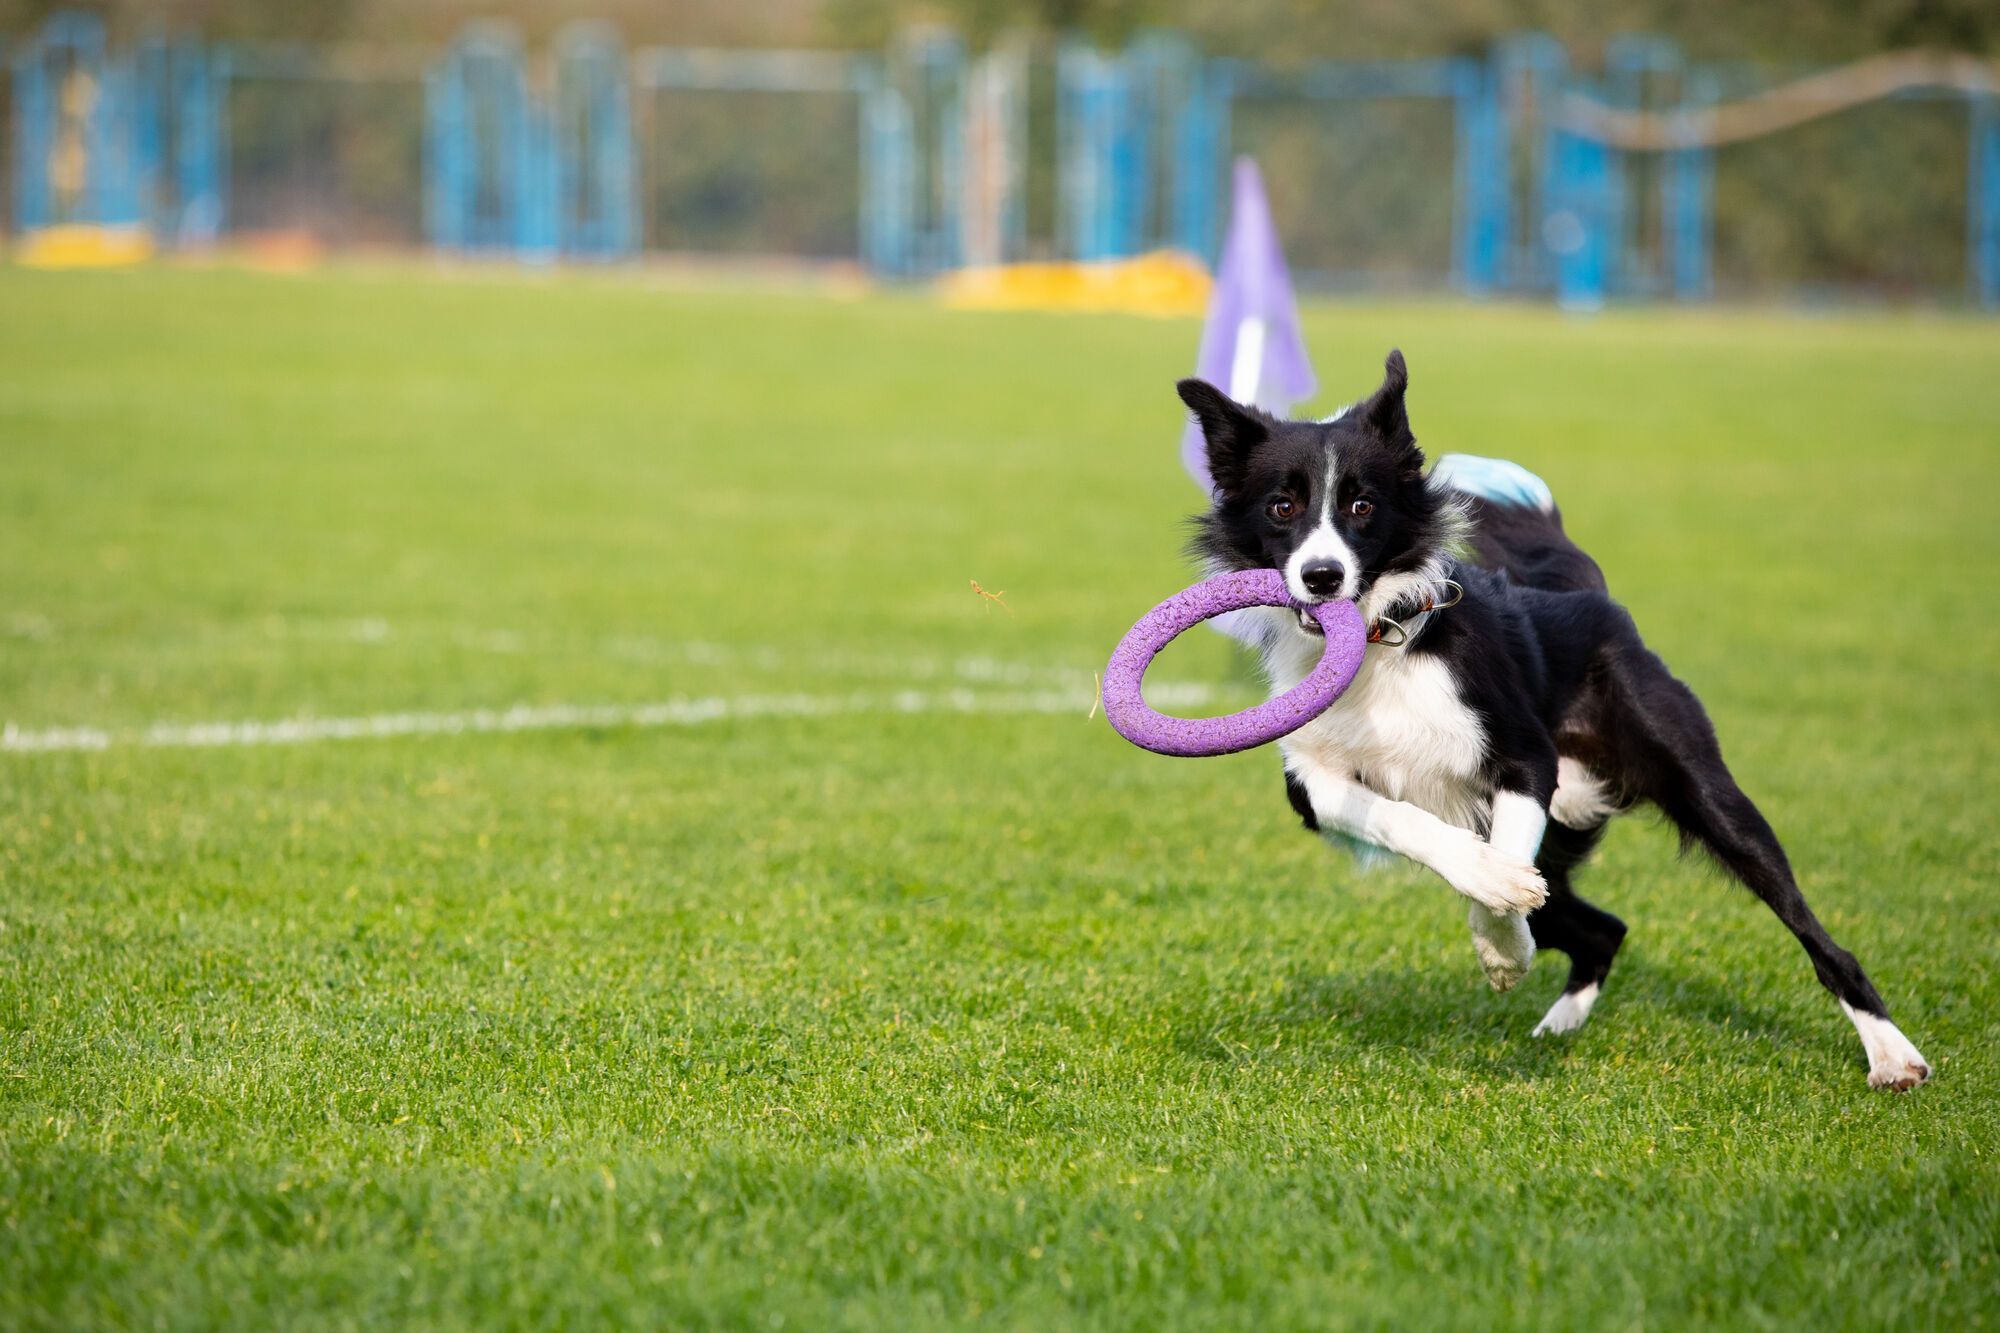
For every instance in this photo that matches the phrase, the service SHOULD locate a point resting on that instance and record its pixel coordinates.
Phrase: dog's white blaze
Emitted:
(1893, 1060)
(1568, 1012)
(1582, 801)
(1321, 544)
(1324, 543)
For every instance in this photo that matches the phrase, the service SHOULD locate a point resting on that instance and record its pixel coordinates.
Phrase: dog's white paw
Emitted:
(1505, 946)
(1492, 879)
(1894, 1062)
(1898, 1075)
(1568, 1013)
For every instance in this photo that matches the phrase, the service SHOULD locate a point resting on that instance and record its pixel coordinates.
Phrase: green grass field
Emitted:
(885, 1016)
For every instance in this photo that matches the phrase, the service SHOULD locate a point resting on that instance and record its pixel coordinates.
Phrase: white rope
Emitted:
(1795, 103)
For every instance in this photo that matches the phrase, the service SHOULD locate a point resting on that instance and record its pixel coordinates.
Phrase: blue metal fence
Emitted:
(508, 170)
(117, 139)
(1492, 174)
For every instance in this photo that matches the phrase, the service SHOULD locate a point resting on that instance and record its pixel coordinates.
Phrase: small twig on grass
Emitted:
(992, 599)
(1097, 683)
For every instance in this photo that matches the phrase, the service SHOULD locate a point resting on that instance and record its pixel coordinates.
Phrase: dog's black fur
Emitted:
(1538, 651)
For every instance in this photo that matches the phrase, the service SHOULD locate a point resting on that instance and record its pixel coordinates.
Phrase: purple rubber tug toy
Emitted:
(1125, 706)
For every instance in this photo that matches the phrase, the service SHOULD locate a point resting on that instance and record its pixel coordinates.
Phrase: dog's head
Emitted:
(1341, 507)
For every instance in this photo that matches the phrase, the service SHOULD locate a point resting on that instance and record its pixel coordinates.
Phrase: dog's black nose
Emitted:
(1322, 580)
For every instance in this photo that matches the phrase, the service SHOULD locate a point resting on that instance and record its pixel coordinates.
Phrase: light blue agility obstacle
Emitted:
(1495, 480)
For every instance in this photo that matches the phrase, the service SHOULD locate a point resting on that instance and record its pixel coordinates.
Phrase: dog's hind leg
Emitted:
(1589, 935)
(1672, 758)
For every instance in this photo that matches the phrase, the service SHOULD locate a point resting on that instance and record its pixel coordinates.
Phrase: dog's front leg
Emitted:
(1495, 879)
(1502, 940)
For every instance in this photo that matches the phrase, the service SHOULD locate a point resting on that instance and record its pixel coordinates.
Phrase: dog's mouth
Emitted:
(1306, 622)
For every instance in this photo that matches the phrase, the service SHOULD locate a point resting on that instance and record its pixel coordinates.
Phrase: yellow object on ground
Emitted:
(1164, 283)
(84, 246)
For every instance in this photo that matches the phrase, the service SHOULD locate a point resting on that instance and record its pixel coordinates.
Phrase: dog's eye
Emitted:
(1362, 507)
(1284, 509)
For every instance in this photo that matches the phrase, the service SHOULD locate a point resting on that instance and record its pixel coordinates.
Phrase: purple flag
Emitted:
(1251, 347)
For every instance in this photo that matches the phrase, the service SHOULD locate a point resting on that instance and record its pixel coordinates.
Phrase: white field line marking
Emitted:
(698, 652)
(641, 648)
(686, 712)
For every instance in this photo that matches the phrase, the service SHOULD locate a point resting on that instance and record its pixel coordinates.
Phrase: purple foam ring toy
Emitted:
(1125, 706)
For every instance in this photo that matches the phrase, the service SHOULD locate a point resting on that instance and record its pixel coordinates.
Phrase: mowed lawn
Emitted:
(812, 1003)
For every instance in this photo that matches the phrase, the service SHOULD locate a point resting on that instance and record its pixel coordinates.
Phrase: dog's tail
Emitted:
(1516, 527)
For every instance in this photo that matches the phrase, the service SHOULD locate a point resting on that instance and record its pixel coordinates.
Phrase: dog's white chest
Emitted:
(1402, 730)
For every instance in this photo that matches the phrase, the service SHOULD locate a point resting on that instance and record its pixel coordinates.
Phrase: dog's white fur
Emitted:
(1396, 762)
(1568, 1013)
(1893, 1060)
(1505, 945)
(1324, 543)
(1581, 801)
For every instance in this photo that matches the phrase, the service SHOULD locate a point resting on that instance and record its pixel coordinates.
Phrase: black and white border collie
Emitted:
(1494, 740)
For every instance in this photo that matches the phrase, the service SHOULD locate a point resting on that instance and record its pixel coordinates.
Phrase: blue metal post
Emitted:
(444, 155)
(490, 153)
(1097, 127)
(1100, 167)
(1580, 235)
(537, 223)
(1480, 204)
(201, 143)
(936, 64)
(34, 138)
(1106, 116)
(1130, 150)
(1531, 69)
(152, 131)
(888, 172)
(1201, 135)
(1983, 201)
(503, 157)
(593, 139)
(114, 170)
(1168, 137)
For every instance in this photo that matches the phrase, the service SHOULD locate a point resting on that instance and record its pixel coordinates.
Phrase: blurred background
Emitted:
(513, 813)
(1632, 149)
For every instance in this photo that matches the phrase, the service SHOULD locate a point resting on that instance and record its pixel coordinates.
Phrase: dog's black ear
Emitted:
(1232, 430)
(1386, 413)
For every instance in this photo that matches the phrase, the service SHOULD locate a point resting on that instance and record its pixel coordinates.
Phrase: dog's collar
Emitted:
(1406, 631)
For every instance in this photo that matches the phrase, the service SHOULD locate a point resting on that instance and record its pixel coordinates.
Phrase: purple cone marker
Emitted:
(1251, 345)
